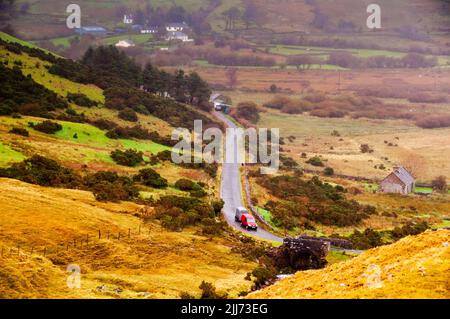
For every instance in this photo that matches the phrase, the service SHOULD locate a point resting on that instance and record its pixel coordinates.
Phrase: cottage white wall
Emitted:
(389, 187)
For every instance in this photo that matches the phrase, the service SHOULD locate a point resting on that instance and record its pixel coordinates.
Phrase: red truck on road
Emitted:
(248, 222)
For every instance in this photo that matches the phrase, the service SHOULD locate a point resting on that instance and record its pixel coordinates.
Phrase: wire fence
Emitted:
(85, 241)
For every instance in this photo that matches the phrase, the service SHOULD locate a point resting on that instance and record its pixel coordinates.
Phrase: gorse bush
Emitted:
(178, 212)
(128, 157)
(150, 177)
(81, 99)
(47, 127)
(109, 186)
(19, 131)
(304, 201)
(315, 161)
(21, 94)
(128, 115)
(366, 240)
(42, 171)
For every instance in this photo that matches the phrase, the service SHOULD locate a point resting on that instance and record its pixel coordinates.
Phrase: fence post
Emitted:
(108, 235)
(99, 234)
(118, 237)
(129, 232)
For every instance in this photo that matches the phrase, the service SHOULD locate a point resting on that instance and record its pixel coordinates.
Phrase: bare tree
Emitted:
(440, 184)
(232, 77)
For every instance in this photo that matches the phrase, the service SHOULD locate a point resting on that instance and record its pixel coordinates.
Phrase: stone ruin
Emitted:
(303, 252)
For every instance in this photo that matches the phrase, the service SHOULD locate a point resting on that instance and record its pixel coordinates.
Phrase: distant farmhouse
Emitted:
(178, 35)
(125, 44)
(400, 181)
(173, 27)
(128, 19)
(97, 31)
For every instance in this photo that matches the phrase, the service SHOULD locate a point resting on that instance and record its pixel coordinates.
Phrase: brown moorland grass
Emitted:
(414, 267)
(154, 264)
(424, 150)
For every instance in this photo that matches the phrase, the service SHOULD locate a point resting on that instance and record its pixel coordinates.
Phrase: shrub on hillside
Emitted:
(114, 192)
(185, 184)
(19, 131)
(128, 115)
(409, 229)
(21, 94)
(328, 171)
(365, 240)
(178, 212)
(47, 127)
(42, 171)
(150, 177)
(439, 184)
(104, 124)
(218, 206)
(433, 121)
(248, 111)
(302, 201)
(209, 291)
(278, 102)
(315, 161)
(128, 157)
(81, 99)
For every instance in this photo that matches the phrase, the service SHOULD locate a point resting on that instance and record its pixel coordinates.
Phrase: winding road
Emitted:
(231, 190)
(231, 193)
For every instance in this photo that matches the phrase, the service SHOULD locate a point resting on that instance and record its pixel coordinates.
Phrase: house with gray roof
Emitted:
(399, 181)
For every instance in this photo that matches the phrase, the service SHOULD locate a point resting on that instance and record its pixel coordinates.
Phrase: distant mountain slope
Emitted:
(414, 267)
(278, 16)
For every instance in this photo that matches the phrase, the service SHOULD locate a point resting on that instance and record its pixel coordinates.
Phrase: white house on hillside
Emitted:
(173, 27)
(125, 44)
(128, 19)
(177, 35)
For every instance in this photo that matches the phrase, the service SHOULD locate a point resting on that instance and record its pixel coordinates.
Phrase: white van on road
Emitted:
(239, 212)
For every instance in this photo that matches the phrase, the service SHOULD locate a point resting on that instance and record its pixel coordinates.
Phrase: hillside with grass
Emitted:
(147, 261)
(414, 267)
(85, 160)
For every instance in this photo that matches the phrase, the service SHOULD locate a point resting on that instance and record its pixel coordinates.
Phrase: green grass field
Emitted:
(64, 41)
(8, 155)
(265, 214)
(136, 38)
(36, 68)
(90, 135)
(303, 125)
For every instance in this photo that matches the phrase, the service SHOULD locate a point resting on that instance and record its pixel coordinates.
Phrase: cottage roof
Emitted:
(403, 175)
